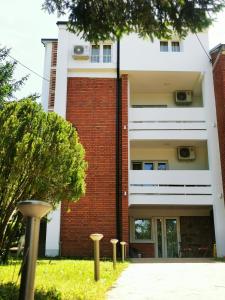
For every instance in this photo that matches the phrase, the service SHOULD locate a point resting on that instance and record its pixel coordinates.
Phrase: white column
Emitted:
(53, 227)
(61, 72)
(53, 233)
(214, 162)
(46, 75)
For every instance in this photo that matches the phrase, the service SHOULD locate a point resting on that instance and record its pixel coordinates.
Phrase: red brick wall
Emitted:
(91, 107)
(146, 249)
(51, 99)
(219, 87)
(124, 163)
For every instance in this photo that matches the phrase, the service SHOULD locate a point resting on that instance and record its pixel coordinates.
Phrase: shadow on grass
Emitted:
(10, 291)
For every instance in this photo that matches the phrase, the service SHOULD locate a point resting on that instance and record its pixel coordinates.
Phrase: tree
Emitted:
(109, 19)
(40, 158)
(8, 85)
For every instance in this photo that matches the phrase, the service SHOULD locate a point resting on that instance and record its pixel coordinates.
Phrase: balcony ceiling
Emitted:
(166, 144)
(164, 82)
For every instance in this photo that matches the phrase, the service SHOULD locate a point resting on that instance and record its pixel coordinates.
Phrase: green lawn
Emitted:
(62, 279)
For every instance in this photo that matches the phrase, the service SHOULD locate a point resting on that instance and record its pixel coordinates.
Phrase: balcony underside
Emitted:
(170, 187)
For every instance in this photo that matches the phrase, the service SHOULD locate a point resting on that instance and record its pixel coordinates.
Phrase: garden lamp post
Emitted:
(33, 211)
(96, 237)
(123, 245)
(114, 242)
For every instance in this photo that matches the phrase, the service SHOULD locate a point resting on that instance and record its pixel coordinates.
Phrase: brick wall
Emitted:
(197, 235)
(51, 99)
(91, 107)
(219, 88)
(124, 158)
(145, 249)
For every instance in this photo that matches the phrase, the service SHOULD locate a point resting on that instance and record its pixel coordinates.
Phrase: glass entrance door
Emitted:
(167, 237)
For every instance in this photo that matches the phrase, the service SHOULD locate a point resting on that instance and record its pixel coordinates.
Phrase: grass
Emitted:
(62, 279)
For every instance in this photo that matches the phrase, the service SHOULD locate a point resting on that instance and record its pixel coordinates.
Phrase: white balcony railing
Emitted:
(172, 187)
(172, 122)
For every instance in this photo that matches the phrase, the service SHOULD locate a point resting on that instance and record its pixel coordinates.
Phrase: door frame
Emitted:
(164, 239)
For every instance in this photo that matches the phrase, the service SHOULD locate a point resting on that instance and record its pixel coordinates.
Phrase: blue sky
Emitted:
(22, 25)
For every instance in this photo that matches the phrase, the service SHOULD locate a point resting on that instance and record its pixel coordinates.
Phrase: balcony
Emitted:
(167, 123)
(170, 187)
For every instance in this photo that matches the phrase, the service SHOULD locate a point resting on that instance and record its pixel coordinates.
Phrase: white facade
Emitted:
(157, 125)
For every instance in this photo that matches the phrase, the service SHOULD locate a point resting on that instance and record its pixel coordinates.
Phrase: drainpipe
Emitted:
(118, 150)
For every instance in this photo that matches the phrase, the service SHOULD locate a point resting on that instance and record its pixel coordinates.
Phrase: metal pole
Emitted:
(33, 210)
(30, 257)
(123, 250)
(96, 237)
(114, 242)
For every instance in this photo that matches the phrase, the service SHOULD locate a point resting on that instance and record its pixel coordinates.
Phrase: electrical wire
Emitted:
(17, 61)
(203, 48)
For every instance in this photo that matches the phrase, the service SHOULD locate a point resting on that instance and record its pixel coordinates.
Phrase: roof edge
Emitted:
(44, 41)
(219, 47)
(61, 23)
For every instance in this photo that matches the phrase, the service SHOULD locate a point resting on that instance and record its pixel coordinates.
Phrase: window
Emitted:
(95, 53)
(175, 46)
(164, 46)
(150, 165)
(107, 53)
(142, 229)
(137, 165)
(101, 53)
(170, 46)
(162, 166)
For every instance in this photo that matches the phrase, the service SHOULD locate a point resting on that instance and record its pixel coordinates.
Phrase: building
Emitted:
(148, 123)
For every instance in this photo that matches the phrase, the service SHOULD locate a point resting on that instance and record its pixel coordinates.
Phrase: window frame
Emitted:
(103, 56)
(161, 47)
(101, 53)
(154, 162)
(175, 47)
(132, 231)
(170, 46)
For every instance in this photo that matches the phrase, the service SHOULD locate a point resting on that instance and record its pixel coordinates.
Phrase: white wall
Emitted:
(142, 54)
(53, 233)
(214, 162)
(175, 211)
(161, 99)
(170, 155)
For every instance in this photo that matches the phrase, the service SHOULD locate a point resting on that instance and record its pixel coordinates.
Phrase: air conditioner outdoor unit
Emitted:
(81, 52)
(183, 97)
(186, 153)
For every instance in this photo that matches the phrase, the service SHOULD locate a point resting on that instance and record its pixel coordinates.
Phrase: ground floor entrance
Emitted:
(171, 232)
(167, 237)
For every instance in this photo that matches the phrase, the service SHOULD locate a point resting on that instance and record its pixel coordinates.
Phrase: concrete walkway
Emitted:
(172, 279)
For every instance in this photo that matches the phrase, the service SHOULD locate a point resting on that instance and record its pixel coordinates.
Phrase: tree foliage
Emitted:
(8, 85)
(110, 19)
(40, 156)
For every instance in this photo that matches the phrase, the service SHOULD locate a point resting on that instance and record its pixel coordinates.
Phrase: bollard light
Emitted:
(123, 244)
(96, 237)
(33, 211)
(114, 242)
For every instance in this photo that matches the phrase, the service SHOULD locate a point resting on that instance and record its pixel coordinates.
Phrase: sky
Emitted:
(22, 25)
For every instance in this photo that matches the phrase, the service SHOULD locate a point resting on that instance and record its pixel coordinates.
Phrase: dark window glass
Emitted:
(136, 165)
(175, 46)
(164, 46)
(143, 228)
(148, 166)
(162, 166)
(95, 53)
(107, 53)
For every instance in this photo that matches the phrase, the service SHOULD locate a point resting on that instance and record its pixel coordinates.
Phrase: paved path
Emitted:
(171, 280)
